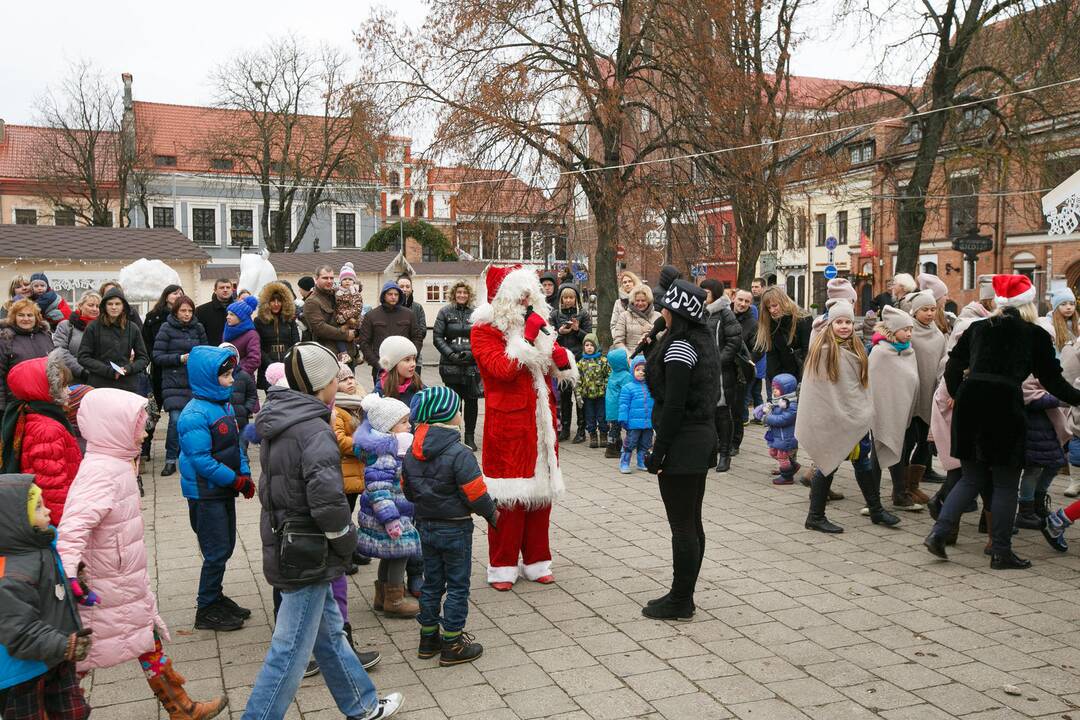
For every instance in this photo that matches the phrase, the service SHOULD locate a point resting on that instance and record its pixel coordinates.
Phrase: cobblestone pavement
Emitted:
(789, 624)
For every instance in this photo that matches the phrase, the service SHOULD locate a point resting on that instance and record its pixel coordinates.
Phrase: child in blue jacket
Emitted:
(620, 375)
(635, 414)
(778, 415)
(213, 470)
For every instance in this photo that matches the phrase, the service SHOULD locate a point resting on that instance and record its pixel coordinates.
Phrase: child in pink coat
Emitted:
(102, 528)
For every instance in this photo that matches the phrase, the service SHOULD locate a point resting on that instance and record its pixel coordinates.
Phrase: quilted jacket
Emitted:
(620, 375)
(635, 402)
(173, 340)
(383, 500)
(17, 345)
(594, 371)
(103, 527)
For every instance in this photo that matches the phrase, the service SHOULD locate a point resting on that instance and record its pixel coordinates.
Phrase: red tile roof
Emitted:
(21, 150)
(814, 92)
(489, 192)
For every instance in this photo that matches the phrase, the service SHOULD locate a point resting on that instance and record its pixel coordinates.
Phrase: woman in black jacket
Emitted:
(726, 332)
(983, 377)
(783, 334)
(113, 339)
(572, 323)
(180, 333)
(24, 335)
(275, 321)
(457, 368)
(683, 376)
(151, 325)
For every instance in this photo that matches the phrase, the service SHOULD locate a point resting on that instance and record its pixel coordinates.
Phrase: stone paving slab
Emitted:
(790, 623)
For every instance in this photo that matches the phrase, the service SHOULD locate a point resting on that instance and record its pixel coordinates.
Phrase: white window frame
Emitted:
(37, 214)
(472, 233)
(175, 214)
(499, 242)
(443, 288)
(191, 223)
(292, 220)
(969, 275)
(334, 212)
(255, 217)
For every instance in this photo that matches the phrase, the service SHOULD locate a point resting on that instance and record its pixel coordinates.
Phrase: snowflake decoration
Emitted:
(1065, 219)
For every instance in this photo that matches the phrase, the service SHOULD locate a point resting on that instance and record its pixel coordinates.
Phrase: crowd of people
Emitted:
(348, 476)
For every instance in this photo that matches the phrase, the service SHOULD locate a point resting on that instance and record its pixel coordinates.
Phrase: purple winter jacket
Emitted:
(250, 349)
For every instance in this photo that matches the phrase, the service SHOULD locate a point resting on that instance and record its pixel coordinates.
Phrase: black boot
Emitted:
(723, 463)
(669, 609)
(430, 645)
(614, 448)
(1008, 561)
(1042, 505)
(819, 495)
(932, 477)
(594, 440)
(936, 545)
(1026, 517)
(461, 649)
(870, 486)
(564, 435)
(579, 437)
(470, 441)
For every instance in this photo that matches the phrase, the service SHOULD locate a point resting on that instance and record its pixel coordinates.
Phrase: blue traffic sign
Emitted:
(697, 271)
(581, 276)
(830, 243)
(830, 272)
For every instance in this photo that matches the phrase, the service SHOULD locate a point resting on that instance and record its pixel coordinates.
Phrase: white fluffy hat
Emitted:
(383, 413)
(393, 350)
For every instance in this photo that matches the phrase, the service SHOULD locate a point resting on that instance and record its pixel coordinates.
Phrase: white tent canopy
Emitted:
(1061, 206)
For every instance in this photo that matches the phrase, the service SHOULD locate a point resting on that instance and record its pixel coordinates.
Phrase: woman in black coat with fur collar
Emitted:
(983, 376)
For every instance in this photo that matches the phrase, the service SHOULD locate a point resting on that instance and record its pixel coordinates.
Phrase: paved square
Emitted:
(790, 623)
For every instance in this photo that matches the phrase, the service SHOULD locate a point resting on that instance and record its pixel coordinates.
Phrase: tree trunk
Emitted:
(607, 230)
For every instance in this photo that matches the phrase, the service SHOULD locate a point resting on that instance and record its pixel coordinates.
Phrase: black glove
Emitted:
(343, 546)
(654, 460)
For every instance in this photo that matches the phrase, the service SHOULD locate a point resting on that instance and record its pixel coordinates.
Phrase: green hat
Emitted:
(436, 404)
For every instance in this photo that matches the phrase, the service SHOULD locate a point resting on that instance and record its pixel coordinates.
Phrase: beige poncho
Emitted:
(833, 416)
(894, 387)
(929, 345)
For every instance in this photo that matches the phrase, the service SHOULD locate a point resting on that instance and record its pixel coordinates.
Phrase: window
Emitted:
(204, 226)
(287, 229)
(395, 208)
(221, 164)
(109, 219)
(164, 217)
(802, 231)
(821, 222)
(841, 227)
(164, 161)
(437, 293)
(771, 243)
(861, 152)
(929, 268)
(394, 179)
(865, 221)
(790, 226)
(644, 120)
(418, 209)
(1057, 169)
(64, 217)
(241, 228)
(913, 134)
(710, 239)
(279, 167)
(973, 117)
(963, 204)
(509, 245)
(726, 239)
(26, 217)
(970, 274)
(469, 242)
(1024, 263)
(345, 230)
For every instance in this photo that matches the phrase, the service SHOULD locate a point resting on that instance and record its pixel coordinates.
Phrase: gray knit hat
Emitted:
(839, 308)
(383, 413)
(896, 319)
(309, 367)
(921, 299)
(393, 350)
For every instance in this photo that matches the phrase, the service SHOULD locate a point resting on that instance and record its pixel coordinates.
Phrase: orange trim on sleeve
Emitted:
(475, 489)
(418, 441)
(3, 565)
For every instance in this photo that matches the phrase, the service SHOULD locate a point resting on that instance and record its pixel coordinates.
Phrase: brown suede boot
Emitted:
(398, 603)
(169, 689)
(914, 477)
(380, 595)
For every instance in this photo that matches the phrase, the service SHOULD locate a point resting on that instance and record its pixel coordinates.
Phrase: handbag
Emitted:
(302, 545)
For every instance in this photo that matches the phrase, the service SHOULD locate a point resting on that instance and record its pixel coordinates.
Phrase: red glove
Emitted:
(244, 485)
(561, 358)
(534, 325)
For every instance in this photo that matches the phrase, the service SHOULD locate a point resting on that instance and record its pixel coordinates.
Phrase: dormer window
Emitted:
(861, 152)
(165, 161)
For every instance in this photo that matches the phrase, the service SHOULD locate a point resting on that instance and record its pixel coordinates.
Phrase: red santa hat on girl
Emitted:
(1013, 290)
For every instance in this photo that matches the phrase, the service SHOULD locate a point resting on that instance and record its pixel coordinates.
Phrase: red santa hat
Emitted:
(495, 275)
(1013, 290)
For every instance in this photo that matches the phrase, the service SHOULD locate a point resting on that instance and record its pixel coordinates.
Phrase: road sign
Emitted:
(581, 276)
(697, 271)
(972, 243)
(831, 243)
(830, 272)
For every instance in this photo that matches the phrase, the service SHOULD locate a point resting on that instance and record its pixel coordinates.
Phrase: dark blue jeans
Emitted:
(640, 440)
(595, 418)
(214, 523)
(172, 437)
(447, 565)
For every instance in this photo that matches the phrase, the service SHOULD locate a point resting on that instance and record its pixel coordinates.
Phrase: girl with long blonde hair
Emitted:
(783, 334)
(835, 411)
(1062, 322)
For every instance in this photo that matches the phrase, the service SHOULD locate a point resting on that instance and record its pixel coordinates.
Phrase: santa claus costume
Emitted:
(517, 356)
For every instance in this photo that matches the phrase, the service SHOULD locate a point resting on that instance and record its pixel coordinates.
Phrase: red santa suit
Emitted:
(520, 453)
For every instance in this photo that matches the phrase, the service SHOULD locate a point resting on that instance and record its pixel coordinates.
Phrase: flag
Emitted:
(866, 248)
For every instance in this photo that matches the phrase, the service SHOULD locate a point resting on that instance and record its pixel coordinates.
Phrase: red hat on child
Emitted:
(1013, 290)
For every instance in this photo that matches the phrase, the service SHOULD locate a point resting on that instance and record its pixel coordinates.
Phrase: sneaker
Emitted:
(312, 669)
(783, 480)
(388, 706)
(229, 604)
(430, 645)
(461, 649)
(218, 618)
(1056, 522)
(368, 658)
(1074, 488)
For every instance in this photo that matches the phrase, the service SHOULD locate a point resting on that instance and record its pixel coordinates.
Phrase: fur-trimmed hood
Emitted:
(39, 379)
(280, 291)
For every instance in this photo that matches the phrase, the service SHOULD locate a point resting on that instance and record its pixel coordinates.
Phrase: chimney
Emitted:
(1, 130)
(126, 77)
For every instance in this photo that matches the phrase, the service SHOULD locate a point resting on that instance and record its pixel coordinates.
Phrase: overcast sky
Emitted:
(172, 49)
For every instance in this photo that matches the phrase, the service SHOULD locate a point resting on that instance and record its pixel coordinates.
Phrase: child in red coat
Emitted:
(37, 436)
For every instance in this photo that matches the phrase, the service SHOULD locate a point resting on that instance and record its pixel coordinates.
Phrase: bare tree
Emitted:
(539, 87)
(975, 50)
(304, 129)
(80, 159)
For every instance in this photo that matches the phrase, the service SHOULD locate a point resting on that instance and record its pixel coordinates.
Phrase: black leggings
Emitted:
(472, 409)
(916, 445)
(683, 496)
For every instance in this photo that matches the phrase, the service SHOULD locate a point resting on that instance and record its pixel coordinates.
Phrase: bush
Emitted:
(429, 237)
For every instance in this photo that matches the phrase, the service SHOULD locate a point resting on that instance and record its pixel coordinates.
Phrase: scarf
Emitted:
(80, 322)
(13, 428)
(49, 302)
(590, 356)
(232, 332)
(345, 401)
